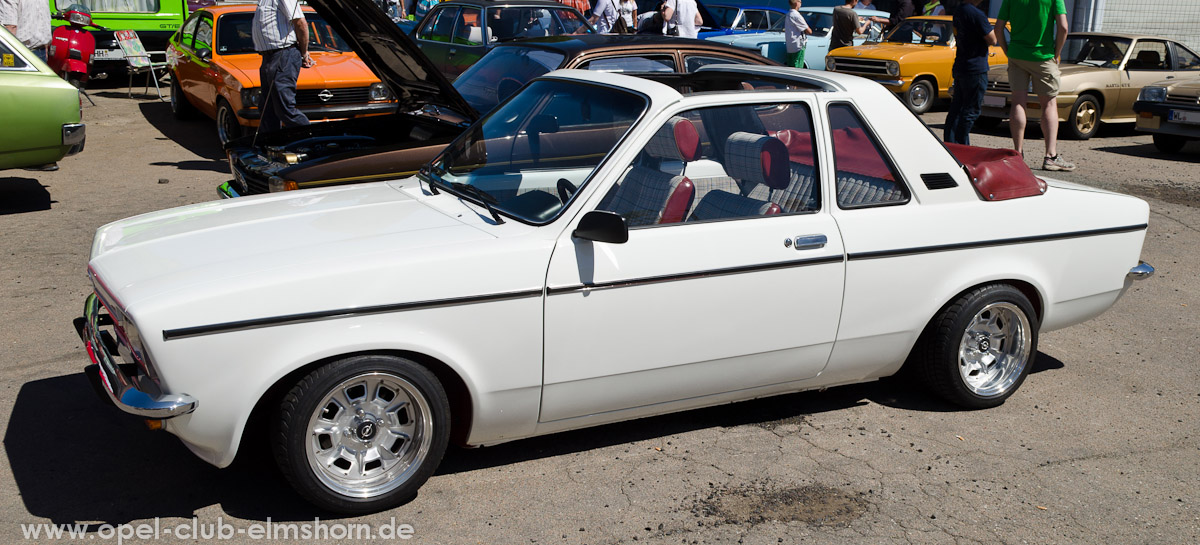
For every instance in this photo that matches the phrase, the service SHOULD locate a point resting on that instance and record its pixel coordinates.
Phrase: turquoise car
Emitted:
(41, 111)
(770, 44)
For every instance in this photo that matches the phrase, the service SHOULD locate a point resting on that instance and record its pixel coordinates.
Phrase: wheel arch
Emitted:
(458, 393)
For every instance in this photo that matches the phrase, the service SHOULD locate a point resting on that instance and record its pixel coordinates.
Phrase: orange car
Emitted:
(913, 61)
(214, 70)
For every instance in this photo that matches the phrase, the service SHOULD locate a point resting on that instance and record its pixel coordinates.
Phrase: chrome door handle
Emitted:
(809, 242)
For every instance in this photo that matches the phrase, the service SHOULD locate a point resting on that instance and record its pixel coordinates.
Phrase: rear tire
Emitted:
(1169, 143)
(362, 434)
(180, 107)
(978, 351)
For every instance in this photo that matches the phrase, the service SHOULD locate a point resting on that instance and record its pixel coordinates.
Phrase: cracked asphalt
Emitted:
(1100, 445)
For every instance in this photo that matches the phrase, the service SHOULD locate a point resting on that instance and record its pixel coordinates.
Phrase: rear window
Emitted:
(112, 6)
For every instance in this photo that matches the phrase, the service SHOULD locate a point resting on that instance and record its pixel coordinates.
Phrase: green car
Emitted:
(41, 111)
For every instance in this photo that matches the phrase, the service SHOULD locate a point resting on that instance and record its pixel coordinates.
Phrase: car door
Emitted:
(186, 70)
(433, 37)
(206, 81)
(745, 293)
(1149, 61)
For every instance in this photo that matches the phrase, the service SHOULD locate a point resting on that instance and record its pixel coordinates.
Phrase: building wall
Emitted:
(1175, 19)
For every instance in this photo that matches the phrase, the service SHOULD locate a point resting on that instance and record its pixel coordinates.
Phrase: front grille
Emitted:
(249, 180)
(852, 65)
(999, 86)
(351, 95)
(1182, 99)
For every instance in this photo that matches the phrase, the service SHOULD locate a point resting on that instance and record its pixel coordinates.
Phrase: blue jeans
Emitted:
(964, 107)
(278, 74)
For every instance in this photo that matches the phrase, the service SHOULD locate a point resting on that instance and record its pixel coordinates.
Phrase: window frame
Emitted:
(585, 65)
(884, 153)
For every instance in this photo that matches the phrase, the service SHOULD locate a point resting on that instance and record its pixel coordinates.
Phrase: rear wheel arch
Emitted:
(459, 395)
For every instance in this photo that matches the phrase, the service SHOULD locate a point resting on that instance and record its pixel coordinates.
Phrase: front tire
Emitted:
(1169, 143)
(978, 351)
(920, 96)
(1084, 120)
(362, 434)
(228, 126)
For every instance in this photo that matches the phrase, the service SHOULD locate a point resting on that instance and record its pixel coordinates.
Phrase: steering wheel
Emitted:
(565, 189)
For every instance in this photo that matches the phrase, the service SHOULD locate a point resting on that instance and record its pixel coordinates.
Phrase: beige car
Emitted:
(1101, 77)
(1170, 110)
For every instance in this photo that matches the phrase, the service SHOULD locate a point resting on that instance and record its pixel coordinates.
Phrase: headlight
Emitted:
(251, 97)
(276, 184)
(1153, 94)
(893, 68)
(831, 64)
(380, 91)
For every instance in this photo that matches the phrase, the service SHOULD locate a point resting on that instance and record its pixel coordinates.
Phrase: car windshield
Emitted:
(820, 23)
(527, 157)
(531, 22)
(502, 72)
(235, 34)
(1098, 51)
(922, 31)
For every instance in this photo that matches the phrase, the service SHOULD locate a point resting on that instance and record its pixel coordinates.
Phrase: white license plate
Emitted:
(108, 54)
(994, 101)
(1179, 116)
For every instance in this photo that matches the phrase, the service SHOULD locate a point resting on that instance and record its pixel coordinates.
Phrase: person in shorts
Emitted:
(1039, 32)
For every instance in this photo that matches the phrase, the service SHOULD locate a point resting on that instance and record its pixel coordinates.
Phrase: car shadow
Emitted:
(77, 460)
(19, 195)
(1189, 154)
(198, 135)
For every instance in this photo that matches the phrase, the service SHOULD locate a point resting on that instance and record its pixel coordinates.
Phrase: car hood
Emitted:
(898, 52)
(411, 76)
(332, 70)
(262, 240)
(1183, 88)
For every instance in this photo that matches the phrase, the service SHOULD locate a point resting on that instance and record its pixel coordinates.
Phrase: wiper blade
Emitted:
(425, 174)
(484, 197)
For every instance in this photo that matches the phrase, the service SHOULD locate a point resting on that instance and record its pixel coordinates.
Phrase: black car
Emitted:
(456, 34)
(394, 146)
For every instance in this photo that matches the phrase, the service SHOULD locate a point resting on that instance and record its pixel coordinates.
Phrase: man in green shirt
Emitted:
(1039, 31)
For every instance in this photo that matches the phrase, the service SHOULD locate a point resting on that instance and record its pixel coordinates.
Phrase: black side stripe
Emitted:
(181, 333)
(694, 275)
(998, 242)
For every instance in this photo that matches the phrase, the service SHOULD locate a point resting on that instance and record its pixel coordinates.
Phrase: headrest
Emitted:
(1149, 58)
(757, 158)
(677, 140)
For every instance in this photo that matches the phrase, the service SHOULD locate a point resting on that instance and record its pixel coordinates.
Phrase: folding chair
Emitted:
(140, 62)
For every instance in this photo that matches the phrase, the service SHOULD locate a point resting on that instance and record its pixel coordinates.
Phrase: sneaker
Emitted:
(1057, 163)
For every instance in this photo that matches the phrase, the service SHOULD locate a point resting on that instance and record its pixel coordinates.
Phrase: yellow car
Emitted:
(913, 61)
(1101, 77)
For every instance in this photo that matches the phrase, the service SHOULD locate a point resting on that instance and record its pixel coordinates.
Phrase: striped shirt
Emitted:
(32, 19)
(273, 24)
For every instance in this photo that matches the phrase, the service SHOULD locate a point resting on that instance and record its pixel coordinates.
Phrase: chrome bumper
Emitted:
(74, 135)
(1142, 271)
(122, 390)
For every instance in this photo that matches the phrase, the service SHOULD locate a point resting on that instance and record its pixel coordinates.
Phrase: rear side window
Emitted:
(1185, 60)
(864, 175)
(112, 6)
(694, 62)
(632, 63)
(9, 59)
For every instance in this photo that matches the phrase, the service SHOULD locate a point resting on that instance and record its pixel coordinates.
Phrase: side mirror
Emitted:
(205, 55)
(602, 226)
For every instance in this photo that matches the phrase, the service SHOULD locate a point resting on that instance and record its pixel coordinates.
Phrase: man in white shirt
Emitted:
(603, 16)
(281, 37)
(684, 16)
(29, 21)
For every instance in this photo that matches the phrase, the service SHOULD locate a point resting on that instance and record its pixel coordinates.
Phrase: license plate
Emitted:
(1180, 116)
(108, 54)
(994, 101)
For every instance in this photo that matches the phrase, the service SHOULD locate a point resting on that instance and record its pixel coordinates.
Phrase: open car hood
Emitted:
(413, 79)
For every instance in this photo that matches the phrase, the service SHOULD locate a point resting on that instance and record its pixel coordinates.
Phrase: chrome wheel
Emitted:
(1085, 117)
(994, 349)
(369, 435)
(920, 96)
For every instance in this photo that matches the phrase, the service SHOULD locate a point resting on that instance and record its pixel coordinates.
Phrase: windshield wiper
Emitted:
(484, 197)
(424, 173)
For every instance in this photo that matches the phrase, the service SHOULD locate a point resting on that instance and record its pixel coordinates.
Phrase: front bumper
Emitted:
(331, 112)
(1156, 117)
(123, 391)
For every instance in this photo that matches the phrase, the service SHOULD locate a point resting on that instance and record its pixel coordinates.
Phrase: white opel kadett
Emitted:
(598, 248)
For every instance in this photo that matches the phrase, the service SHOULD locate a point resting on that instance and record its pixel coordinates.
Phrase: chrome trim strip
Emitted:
(185, 332)
(1142, 271)
(122, 390)
(693, 275)
(998, 242)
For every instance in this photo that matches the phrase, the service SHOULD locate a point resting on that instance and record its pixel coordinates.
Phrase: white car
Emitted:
(598, 248)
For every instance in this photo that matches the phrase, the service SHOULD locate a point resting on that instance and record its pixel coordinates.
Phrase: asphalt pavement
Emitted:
(1100, 445)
